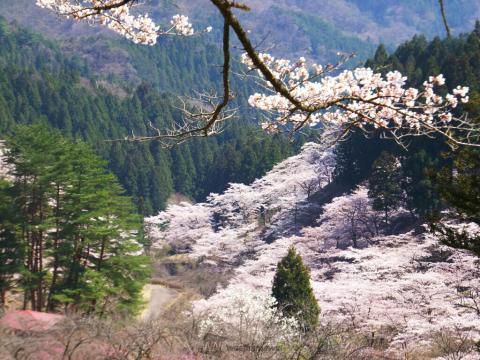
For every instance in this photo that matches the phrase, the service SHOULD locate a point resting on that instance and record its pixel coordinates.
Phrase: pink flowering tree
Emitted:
(295, 94)
(245, 319)
(347, 219)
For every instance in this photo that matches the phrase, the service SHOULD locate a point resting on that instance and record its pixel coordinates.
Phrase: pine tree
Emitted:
(80, 233)
(379, 59)
(384, 184)
(293, 292)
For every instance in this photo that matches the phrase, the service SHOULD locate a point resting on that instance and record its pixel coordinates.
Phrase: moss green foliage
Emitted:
(77, 231)
(293, 292)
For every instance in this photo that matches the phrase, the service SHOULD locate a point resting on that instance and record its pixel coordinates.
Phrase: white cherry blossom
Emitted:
(354, 98)
(297, 95)
(140, 29)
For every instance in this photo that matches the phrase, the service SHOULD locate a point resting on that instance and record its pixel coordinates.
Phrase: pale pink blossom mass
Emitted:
(388, 281)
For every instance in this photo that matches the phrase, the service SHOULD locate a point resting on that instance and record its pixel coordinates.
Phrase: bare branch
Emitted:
(444, 17)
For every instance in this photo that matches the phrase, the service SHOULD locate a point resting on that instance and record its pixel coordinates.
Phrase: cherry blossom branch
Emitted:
(296, 96)
(115, 14)
(381, 101)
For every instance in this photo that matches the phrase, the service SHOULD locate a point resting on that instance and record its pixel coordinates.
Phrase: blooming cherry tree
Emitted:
(244, 316)
(346, 220)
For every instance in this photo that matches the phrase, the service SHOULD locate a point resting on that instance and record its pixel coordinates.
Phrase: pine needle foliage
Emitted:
(293, 292)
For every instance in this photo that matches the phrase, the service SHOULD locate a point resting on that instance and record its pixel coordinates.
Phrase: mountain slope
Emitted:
(316, 29)
(40, 82)
(402, 287)
(369, 22)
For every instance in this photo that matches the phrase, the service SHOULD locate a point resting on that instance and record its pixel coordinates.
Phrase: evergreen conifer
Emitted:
(292, 290)
(385, 184)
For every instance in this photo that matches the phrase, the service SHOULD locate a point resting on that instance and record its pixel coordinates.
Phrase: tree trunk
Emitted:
(50, 306)
(40, 260)
(3, 296)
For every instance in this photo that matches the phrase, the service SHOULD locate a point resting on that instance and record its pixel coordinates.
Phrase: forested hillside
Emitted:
(39, 83)
(458, 60)
(356, 238)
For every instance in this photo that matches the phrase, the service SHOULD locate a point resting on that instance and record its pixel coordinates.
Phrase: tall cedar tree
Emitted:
(384, 184)
(79, 232)
(292, 290)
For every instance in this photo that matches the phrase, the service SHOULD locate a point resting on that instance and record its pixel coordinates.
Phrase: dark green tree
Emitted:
(293, 292)
(421, 194)
(384, 184)
(379, 59)
(459, 186)
(79, 231)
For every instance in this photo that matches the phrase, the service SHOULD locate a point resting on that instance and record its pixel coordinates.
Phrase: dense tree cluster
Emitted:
(39, 83)
(457, 59)
(69, 237)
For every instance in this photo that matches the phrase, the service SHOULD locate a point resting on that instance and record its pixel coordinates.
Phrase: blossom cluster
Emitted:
(244, 314)
(140, 29)
(389, 279)
(224, 228)
(357, 97)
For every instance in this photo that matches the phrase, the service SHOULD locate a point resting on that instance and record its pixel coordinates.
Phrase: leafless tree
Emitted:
(470, 299)
(362, 222)
(309, 187)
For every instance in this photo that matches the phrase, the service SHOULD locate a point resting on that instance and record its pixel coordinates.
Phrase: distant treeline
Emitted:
(39, 83)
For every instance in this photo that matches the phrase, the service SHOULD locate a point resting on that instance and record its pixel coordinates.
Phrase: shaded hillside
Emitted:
(370, 22)
(40, 83)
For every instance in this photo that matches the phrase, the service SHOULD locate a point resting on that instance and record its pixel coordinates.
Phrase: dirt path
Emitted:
(159, 298)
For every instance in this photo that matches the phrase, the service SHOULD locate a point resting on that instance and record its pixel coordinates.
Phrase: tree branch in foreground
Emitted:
(296, 95)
